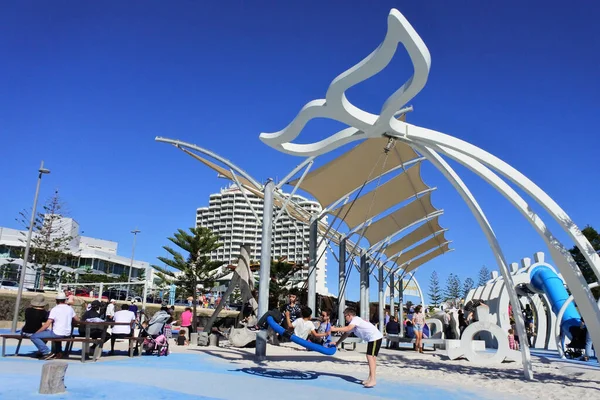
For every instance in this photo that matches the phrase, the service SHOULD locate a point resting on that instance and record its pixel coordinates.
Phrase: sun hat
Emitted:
(61, 296)
(38, 301)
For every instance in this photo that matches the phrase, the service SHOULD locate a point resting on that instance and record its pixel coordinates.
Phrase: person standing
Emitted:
(35, 316)
(133, 308)
(70, 297)
(186, 321)
(60, 319)
(110, 310)
(367, 332)
(418, 321)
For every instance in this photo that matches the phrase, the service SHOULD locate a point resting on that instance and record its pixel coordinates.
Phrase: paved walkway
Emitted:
(196, 375)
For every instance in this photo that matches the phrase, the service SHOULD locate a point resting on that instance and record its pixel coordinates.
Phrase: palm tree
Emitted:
(197, 268)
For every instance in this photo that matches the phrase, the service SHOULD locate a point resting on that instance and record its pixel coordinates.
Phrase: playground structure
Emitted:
(539, 285)
(403, 146)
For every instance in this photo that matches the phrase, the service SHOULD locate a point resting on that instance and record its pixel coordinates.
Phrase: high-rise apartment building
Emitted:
(229, 216)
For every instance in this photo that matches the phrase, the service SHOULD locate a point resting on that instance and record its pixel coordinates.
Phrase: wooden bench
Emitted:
(84, 348)
(399, 339)
(15, 336)
(68, 340)
(134, 343)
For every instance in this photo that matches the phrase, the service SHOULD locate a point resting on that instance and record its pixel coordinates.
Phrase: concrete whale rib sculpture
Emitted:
(336, 106)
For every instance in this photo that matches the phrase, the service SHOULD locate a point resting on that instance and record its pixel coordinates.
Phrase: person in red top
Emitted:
(186, 321)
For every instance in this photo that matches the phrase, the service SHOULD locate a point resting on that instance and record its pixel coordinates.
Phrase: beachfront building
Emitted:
(84, 254)
(229, 216)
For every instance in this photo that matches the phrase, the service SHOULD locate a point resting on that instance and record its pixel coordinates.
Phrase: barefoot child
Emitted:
(366, 331)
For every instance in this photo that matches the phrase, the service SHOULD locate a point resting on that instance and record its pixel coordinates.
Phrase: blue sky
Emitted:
(86, 86)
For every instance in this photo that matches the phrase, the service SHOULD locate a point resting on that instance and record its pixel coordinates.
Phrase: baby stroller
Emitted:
(160, 345)
(154, 337)
(577, 345)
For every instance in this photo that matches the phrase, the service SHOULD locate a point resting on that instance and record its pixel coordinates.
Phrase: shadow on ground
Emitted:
(436, 363)
(289, 374)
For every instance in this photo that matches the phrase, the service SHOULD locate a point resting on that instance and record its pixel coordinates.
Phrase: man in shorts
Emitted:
(366, 331)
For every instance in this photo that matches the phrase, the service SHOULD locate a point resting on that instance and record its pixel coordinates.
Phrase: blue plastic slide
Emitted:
(546, 280)
(328, 351)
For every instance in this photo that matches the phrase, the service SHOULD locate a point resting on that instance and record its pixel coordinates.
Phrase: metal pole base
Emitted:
(261, 345)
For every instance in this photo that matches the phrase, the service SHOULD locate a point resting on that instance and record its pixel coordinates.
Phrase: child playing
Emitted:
(366, 331)
(512, 343)
(324, 327)
(303, 326)
(181, 340)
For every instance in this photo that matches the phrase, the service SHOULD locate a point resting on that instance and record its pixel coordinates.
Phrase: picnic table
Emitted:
(100, 341)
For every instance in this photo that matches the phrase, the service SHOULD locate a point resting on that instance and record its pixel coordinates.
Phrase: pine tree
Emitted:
(453, 289)
(484, 276)
(467, 286)
(50, 240)
(435, 292)
(195, 268)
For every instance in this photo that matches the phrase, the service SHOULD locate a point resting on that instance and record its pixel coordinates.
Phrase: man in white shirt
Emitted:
(122, 331)
(110, 310)
(366, 331)
(60, 318)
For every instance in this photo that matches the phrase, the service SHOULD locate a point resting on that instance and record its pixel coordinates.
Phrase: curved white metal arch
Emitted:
(560, 254)
(559, 316)
(485, 226)
(179, 144)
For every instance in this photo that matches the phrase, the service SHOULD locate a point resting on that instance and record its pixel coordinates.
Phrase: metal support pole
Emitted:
(265, 268)
(100, 291)
(401, 306)
(364, 271)
(381, 301)
(312, 266)
(392, 295)
(41, 171)
(342, 283)
(144, 295)
(135, 232)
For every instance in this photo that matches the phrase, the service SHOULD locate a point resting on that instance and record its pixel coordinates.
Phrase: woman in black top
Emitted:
(35, 315)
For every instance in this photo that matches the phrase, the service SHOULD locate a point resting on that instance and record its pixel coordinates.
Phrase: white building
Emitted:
(229, 216)
(83, 253)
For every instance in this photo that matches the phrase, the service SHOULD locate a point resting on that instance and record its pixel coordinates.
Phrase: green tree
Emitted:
(50, 240)
(281, 281)
(484, 276)
(594, 238)
(467, 286)
(435, 291)
(453, 289)
(195, 268)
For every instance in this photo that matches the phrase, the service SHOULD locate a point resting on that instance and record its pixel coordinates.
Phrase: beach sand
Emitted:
(553, 378)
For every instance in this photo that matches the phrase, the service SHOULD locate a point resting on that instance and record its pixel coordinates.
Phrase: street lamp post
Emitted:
(41, 171)
(135, 232)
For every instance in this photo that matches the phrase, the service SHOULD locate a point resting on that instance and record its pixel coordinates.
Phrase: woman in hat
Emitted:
(35, 315)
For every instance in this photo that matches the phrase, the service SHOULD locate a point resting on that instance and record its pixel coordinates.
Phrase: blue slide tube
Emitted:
(546, 280)
(328, 351)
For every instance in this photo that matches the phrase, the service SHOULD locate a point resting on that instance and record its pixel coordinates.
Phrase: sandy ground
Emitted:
(554, 379)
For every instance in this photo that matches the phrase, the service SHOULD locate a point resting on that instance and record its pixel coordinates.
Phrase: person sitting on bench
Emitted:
(122, 331)
(93, 315)
(35, 316)
(61, 318)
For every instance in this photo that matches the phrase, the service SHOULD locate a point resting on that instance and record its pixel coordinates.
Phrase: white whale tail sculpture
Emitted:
(361, 124)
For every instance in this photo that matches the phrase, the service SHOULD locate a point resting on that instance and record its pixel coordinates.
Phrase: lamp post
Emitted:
(41, 171)
(135, 232)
